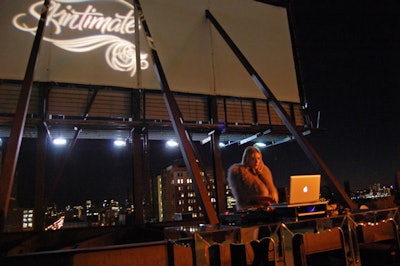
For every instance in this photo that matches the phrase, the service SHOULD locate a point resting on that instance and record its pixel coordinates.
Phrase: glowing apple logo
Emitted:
(305, 189)
(95, 29)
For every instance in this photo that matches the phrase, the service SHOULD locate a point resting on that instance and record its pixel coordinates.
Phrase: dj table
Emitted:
(278, 213)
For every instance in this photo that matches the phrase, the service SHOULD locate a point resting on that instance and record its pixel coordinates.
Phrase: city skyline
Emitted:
(110, 176)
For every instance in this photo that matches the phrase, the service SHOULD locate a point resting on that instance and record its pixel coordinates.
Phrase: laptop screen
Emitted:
(304, 188)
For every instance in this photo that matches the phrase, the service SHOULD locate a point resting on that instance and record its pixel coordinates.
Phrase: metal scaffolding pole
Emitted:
(302, 141)
(14, 142)
(177, 122)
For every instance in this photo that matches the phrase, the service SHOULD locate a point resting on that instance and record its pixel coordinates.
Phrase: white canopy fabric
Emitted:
(93, 42)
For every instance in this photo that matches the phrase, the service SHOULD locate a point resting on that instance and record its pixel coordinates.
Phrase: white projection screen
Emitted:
(94, 43)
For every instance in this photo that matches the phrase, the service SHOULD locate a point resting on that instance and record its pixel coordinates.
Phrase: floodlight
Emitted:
(260, 144)
(172, 143)
(59, 141)
(119, 143)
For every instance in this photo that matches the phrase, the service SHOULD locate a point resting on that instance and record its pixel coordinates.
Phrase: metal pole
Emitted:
(301, 140)
(138, 189)
(14, 143)
(177, 122)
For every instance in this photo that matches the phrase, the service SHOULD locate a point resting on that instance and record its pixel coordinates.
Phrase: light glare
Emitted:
(59, 141)
(119, 143)
(172, 143)
(260, 144)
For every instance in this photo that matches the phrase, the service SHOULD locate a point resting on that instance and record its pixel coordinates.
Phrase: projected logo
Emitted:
(81, 26)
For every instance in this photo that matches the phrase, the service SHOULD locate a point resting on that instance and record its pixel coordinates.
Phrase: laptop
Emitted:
(303, 189)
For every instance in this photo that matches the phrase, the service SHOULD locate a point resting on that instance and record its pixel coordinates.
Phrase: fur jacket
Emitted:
(247, 184)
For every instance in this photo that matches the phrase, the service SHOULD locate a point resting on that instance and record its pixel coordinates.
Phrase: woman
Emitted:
(251, 181)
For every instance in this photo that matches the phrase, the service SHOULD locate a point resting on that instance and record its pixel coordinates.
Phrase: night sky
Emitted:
(348, 56)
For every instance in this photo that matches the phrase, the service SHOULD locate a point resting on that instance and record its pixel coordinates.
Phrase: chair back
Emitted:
(306, 245)
(377, 232)
(378, 243)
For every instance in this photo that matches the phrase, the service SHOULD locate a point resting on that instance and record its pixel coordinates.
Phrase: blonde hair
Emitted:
(248, 152)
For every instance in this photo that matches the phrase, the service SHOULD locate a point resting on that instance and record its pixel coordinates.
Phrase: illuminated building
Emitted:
(27, 220)
(177, 196)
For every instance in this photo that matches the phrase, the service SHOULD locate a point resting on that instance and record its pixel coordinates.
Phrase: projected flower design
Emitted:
(120, 54)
